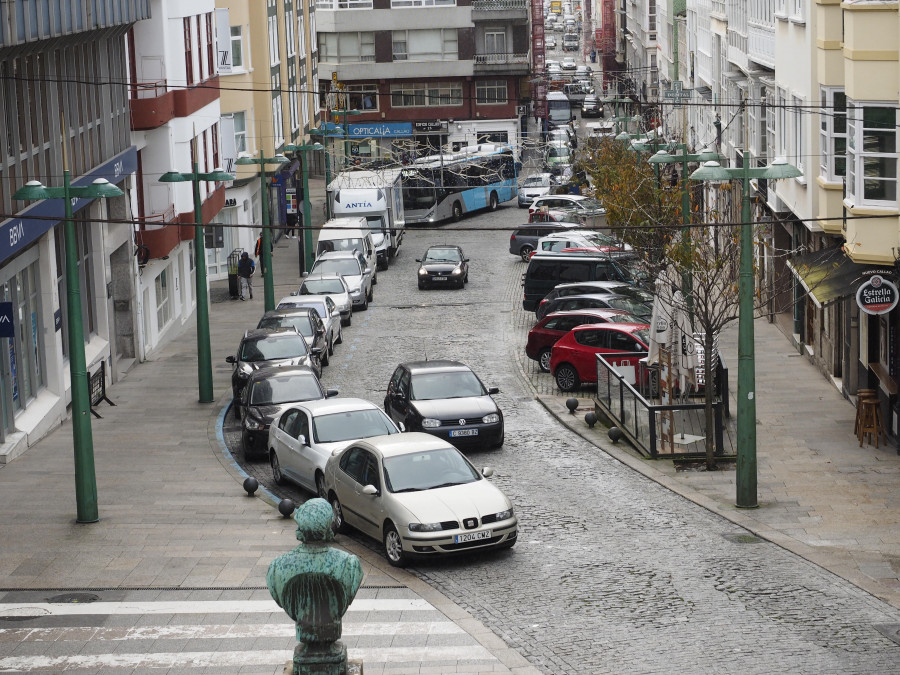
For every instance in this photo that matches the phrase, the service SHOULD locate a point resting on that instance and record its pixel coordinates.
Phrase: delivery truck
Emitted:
(376, 195)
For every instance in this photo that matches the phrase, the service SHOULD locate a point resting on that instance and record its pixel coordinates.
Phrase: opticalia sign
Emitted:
(877, 295)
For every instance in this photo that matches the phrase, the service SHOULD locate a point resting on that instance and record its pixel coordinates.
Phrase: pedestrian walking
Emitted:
(259, 256)
(290, 226)
(246, 268)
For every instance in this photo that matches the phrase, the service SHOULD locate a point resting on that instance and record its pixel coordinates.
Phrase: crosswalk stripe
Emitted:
(191, 607)
(394, 656)
(225, 631)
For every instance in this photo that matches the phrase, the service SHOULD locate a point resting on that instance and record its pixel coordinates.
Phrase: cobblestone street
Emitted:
(612, 572)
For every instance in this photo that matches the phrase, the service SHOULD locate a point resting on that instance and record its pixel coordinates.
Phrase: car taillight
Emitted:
(512, 237)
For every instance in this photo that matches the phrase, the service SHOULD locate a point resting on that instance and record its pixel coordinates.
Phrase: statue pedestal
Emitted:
(354, 667)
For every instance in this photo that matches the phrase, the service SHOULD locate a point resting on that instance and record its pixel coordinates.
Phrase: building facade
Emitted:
(64, 104)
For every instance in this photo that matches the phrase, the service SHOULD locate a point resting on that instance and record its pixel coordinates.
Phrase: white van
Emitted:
(348, 234)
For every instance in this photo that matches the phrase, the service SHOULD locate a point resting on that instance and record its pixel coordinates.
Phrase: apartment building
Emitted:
(639, 39)
(424, 73)
(269, 100)
(814, 82)
(62, 85)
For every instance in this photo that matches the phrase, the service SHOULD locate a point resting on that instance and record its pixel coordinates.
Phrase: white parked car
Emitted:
(334, 286)
(303, 437)
(352, 266)
(535, 185)
(568, 63)
(327, 311)
(579, 202)
(418, 495)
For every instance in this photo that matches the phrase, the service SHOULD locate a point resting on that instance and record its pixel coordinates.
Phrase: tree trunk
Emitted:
(709, 391)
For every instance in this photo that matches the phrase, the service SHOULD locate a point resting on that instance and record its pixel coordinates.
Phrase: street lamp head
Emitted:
(779, 168)
(173, 177)
(712, 171)
(244, 160)
(32, 191)
(277, 159)
(102, 188)
(663, 157)
(708, 155)
(218, 174)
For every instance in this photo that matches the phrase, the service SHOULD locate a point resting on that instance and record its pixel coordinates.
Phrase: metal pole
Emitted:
(204, 351)
(307, 217)
(85, 475)
(266, 240)
(327, 173)
(746, 396)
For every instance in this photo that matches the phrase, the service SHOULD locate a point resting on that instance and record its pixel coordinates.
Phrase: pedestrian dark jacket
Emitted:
(246, 267)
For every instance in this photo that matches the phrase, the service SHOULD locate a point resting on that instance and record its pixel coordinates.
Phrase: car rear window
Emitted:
(285, 389)
(302, 323)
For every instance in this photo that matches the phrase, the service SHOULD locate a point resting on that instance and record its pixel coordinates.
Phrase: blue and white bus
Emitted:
(439, 187)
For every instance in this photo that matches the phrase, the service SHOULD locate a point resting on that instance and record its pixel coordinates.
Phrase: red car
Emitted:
(573, 360)
(552, 327)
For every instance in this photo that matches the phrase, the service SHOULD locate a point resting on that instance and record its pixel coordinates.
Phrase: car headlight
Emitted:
(252, 423)
(504, 515)
(493, 418)
(429, 423)
(456, 272)
(422, 271)
(425, 527)
(246, 370)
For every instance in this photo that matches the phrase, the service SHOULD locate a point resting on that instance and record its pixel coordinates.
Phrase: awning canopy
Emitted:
(829, 275)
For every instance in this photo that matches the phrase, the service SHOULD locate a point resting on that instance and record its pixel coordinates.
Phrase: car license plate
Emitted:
(463, 432)
(439, 278)
(472, 536)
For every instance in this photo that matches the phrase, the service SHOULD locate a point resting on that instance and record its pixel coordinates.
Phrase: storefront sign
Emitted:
(380, 129)
(877, 295)
(429, 127)
(57, 320)
(290, 198)
(7, 329)
(17, 233)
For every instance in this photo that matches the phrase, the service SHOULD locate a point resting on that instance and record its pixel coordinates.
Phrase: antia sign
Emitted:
(877, 295)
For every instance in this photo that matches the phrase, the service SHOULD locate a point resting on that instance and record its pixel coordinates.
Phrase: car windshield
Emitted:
(427, 470)
(643, 334)
(534, 181)
(558, 152)
(625, 318)
(349, 244)
(301, 323)
(634, 293)
(629, 305)
(589, 204)
(265, 349)
(317, 305)
(456, 384)
(346, 426)
(441, 255)
(285, 389)
(322, 287)
(345, 267)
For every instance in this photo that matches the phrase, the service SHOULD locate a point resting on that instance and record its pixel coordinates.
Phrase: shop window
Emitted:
(163, 301)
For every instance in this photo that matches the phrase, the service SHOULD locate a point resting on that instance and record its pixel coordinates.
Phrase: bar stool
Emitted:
(870, 423)
(861, 395)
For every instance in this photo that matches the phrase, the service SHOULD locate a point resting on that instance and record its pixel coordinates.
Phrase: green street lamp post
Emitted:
(306, 247)
(746, 394)
(85, 475)
(204, 350)
(265, 253)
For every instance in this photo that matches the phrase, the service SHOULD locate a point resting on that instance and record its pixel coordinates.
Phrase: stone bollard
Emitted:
(314, 584)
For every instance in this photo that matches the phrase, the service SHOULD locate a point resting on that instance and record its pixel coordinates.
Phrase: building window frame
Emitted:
(397, 4)
(237, 47)
(860, 161)
(274, 51)
(833, 134)
(161, 285)
(407, 44)
(495, 40)
(431, 95)
(289, 30)
(491, 92)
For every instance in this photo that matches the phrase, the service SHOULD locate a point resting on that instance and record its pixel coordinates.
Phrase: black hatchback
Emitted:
(445, 399)
(443, 265)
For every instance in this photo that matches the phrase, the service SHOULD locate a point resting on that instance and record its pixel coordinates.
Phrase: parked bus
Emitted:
(439, 187)
(559, 109)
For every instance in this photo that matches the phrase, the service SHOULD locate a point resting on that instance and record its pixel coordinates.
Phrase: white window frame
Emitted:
(831, 140)
(363, 50)
(301, 34)
(856, 155)
(798, 115)
(274, 52)
(422, 3)
(448, 37)
(488, 92)
(495, 35)
(357, 92)
(237, 48)
(289, 32)
(240, 135)
(313, 44)
(434, 94)
(162, 288)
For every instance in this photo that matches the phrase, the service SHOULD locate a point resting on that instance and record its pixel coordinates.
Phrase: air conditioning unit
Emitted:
(521, 110)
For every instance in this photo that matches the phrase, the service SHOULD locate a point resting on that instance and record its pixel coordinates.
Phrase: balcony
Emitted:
(159, 233)
(151, 105)
(497, 10)
(515, 64)
(191, 99)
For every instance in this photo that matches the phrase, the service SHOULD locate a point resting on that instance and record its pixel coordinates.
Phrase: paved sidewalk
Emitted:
(821, 495)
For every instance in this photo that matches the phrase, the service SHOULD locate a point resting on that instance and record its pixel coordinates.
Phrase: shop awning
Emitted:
(829, 275)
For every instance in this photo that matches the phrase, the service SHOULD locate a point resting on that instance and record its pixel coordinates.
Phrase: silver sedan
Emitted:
(303, 437)
(417, 494)
(334, 286)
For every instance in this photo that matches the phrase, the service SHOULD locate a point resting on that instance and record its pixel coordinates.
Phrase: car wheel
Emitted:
(320, 485)
(525, 252)
(236, 408)
(337, 515)
(317, 368)
(331, 346)
(507, 544)
(567, 377)
(247, 447)
(544, 360)
(393, 547)
(340, 337)
(277, 475)
(348, 320)
(371, 295)
(365, 304)
(457, 212)
(493, 202)
(324, 360)
(421, 286)
(499, 443)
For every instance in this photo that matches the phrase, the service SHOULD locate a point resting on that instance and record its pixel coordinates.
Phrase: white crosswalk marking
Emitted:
(389, 634)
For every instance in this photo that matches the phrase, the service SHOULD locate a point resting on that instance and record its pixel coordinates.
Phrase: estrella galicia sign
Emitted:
(7, 329)
(877, 295)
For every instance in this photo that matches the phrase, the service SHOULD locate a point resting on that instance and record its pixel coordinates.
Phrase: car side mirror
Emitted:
(418, 260)
(336, 313)
(331, 393)
(401, 426)
(368, 270)
(494, 390)
(371, 490)
(487, 472)
(465, 260)
(320, 331)
(306, 274)
(295, 293)
(301, 439)
(230, 359)
(317, 350)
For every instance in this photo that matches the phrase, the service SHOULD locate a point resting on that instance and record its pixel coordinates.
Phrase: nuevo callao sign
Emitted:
(877, 295)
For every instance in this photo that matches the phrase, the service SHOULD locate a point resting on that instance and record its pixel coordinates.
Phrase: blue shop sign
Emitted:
(17, 233)
(7, 329)
(380, 129)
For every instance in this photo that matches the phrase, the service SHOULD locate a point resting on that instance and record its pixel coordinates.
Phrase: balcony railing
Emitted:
(498, 5)
(343, 4)
(147, 89)
(501, 59)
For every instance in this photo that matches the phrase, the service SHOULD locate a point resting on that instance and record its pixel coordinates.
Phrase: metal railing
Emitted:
(147, 89)
(488, 59)
(624, 404)
(498, 5)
